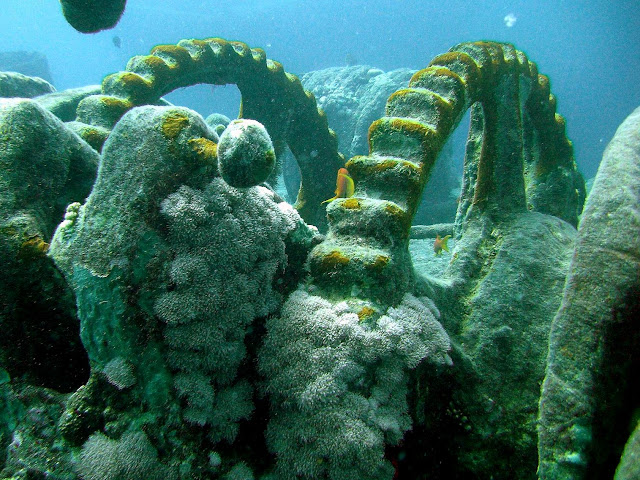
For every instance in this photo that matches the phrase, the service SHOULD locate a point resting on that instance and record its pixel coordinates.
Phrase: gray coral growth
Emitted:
(131, 456)
(227, 249)
(338, 385)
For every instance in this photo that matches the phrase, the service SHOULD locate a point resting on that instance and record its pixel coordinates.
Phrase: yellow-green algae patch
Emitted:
(470, 71)
(175, 54)
(416, 80)
(33, 247)
(365, 166)
(153, 61)
(379, 263)
(205, 149)
(116, 102)
(94, 137)
(150, 65)
(131, 80)
(365, 313)
(351, 204)
(401, 216)
(411, 137)
(174, 124)
(332, 261)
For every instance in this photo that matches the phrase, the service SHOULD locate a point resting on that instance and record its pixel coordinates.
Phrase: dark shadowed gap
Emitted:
(616, 394)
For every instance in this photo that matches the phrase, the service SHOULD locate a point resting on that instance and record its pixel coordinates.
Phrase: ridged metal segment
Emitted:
(510, 100)
(269, 94)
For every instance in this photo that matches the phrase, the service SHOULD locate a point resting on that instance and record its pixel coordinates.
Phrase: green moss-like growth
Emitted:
(593, 345)
(93, 135)
(175, 55)
(32, 248)
(443, 82)
(245, 154)
(84, 412)
(430, 107)
(131, 87)
(462, 65)
(102, 110)
(378, 264)
(409, 139)
(45, 166)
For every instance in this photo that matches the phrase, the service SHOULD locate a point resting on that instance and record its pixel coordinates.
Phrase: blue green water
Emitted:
(586, 48)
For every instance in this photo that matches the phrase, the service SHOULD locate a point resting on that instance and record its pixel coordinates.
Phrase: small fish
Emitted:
(117, 41)
(344, 185)
(440, 244)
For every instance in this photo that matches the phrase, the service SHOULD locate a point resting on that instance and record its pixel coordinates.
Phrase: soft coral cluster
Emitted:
(228, 248)
(339, 385)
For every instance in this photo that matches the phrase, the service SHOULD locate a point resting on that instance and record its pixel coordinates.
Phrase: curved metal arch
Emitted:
(269, 94)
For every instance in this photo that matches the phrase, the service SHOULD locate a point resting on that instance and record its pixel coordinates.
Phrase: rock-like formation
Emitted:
(64, 104)
(218, 122)
(29, 443)
(589, 390)
(338, 380)
(32, 64)
(90, 16)
(245, 154)
(498, 314)
(13, 84)
(44, 168)
(353, 98)
(171, 269)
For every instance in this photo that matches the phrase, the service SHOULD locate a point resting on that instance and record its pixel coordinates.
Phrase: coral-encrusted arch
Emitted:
(269, 94)
(518, 158)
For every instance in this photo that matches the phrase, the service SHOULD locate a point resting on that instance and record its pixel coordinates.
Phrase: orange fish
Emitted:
(344, 185)
(440, 244)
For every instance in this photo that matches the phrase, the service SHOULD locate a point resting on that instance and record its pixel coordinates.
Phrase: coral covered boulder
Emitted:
(589, 391)
(172, 268)
(503, 286)
(353, 97)
(338, 378)
(63, 104)
(14, 84)
(43, 167)
(245, 154)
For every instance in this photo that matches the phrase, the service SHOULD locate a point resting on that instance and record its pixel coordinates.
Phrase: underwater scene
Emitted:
(278, 239)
